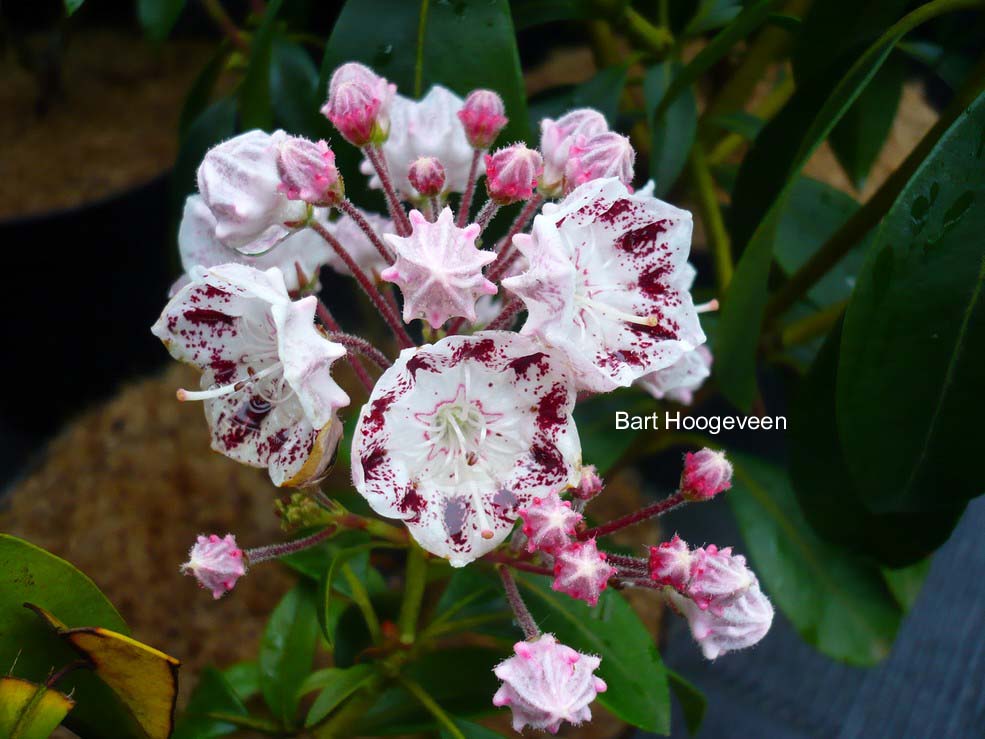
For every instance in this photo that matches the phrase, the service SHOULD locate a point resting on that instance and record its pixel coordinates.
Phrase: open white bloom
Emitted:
(428, 127)
(270, 400)
(357, 243)
(459, 435)
(199, 247)
(607, 283)
(239, 182)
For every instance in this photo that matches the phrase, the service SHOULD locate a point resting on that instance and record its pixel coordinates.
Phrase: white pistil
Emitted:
(233, 387)
(614, 313)
(710, 307)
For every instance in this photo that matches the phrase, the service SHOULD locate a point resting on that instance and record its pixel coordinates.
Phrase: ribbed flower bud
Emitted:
(706, 474)
(512, 173)
(308, 173)
(217, 563)
(427, 176)
(358, 100)
(482, 117)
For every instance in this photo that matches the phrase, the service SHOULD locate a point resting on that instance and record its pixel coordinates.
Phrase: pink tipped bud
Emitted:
(737, 624)
(427, 176)
(606, 154)
(557, 138)
(216, 563)
(307, 172)
(706, 474)
(717, 576)
(358, 99)
(547, 683)
(670, 563)
(581, 571)
(512, 173)
(549, 523)
(483, 118)
(590, 484)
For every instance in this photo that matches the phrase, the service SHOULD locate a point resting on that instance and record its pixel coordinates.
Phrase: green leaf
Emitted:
(244, 679)
(594, 420)
(824, 487)
(213, 694)
(30, 711)
(631, 666)
(692, 700)
(673, 135)
(907, 582)
(255, 102)
(29, 574)
(157, 17)
(745, 124)
(287, 649)
(861, 133)
(329, 609)
(909, 379)
(528, 13)
(471, 731)
(336, 684)
(711, 15)
(294, 89)
(467, 44)
(72, 5)
(838, 602)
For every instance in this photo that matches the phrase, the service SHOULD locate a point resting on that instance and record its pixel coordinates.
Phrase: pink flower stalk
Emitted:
(581, 571)
(737, 624)
(427, 176)
(608, 154)
(557, 138)
(590, 485)
(546, 683)
(308, 172)
(439, 269)
(706, 474)
(549, 523)
(483, 117)
(512, 173)
(717, 576)
(358, 100)
(216, 563)
(670, 563)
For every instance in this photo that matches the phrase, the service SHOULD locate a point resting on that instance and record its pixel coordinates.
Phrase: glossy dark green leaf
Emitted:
(671, 136)
(255, 100)
(287, 650)
(466, 44)
(244, 679)
(603, 446)
(838, 602)
(528, 13)
(157, 17)
(336, 684)
(860, 135)
(745, 124)
(910, 405)
(631, 666)
(213, 694)
(711, 15)
(331, 582)
(29, 574)
(294, 89)
(907, 582)
(602, 92)
(692, 700)
(825, 489)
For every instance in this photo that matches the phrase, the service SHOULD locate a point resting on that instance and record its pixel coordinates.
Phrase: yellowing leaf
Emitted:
(144, 679)
(30, 711)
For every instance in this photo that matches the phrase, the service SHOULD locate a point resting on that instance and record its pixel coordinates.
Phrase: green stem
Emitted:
(419, 60)
(866, 217)
(361, 598)
(769, 107)
(342, 721)
(425, 699)
(415, 581)
(814, 325)
(711, 216)
(655, 39)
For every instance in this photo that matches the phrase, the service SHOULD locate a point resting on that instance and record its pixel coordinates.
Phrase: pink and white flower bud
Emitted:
(717, 576)
(706, 474)
(308, 172)
(512, 173)
(483, 117)
(427, 176)
(358, 101)
(546, 683)
(581, 571)
(556, 139)
(670, 563)
(607, 154)
(738, 624)
(216, 563)
(590, 484)
(549, 523)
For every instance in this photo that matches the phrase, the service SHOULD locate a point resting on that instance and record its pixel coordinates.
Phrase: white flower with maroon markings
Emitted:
(438, 269)
(270, 399)
(679, 381)
(607, 284)
(460, 435)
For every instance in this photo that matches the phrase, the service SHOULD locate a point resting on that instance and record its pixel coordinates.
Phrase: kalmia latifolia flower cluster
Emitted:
(467, 437)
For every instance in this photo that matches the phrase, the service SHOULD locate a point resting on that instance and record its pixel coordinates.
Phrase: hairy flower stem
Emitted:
(352, 211)
(487, 213)
(361, 346)
(506, 316)
(628, 566)
(506, 254)
(466, 204)
(375, 156)
(275, 551)
(326, 317)
(391, 318)
(657, 509)
(415, 581)
(520, 610)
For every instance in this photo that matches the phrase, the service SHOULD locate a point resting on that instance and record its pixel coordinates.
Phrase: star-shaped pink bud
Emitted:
(580, 570)
(549, 523)
(706, 474)
(670, 563)
(217, 563)
(546, 683)
(439, 269)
